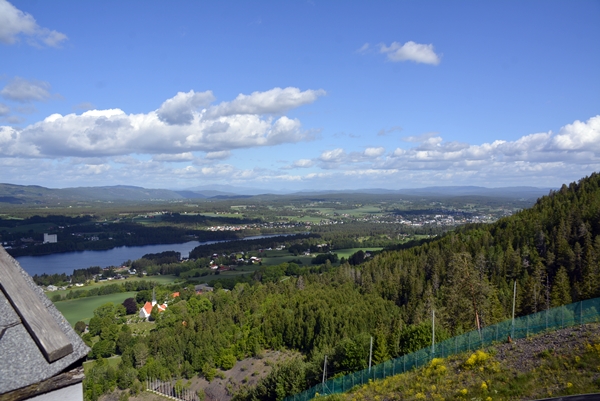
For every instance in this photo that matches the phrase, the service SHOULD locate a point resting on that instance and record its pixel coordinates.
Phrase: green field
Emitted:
(346, 253)
(368, 209)
(75, 310)
(159, 279)
(310, 219)
(112, 361)
(272, 261)
(38, 227)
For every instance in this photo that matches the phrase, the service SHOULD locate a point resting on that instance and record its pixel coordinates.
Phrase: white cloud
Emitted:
(274, 101)
(420, 138)
(221, 155)
(303, 163)
(179, 157)
(179, 109)
(364, 48)
(576, 148)
(113, 132)
(398, 152)
(52, 38)
(14, 22)
(4, 110)
(578, 136)
(576, 144)
(411, 51)
(22, 90)
(333, 156)
(374, 152)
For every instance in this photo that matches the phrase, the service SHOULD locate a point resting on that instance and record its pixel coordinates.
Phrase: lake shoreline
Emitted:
(66, 262)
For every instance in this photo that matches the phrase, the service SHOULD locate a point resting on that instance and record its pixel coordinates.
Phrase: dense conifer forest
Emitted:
(551, 250)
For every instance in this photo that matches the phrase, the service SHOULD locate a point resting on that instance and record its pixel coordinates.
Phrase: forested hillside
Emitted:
(552, 251)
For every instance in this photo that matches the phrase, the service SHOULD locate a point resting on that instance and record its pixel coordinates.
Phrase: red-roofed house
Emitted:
(146, 310)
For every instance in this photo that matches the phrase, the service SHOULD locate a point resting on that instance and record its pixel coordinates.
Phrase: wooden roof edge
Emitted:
(43, 328)
(57, 382)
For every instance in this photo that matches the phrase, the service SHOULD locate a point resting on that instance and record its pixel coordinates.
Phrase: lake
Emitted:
(67, 262)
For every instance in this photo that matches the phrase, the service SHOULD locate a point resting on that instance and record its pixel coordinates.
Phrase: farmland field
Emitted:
(75, 310)
(346, 253)
(163, 280)
(272, 261)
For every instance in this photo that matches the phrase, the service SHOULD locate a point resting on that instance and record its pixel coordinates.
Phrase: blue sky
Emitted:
(288, 95)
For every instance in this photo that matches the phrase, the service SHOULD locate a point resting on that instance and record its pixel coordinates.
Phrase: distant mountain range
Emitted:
(25, 194)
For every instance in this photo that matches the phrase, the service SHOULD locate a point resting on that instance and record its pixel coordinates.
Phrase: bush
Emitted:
(130, 306)
(80, 327)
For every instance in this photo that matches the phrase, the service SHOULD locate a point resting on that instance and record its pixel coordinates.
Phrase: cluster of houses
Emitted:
(146, 310)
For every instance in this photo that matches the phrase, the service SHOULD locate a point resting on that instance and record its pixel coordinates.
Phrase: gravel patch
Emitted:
(523, 354)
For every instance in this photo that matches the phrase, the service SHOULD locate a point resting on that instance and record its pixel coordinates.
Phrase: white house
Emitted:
(50, 238)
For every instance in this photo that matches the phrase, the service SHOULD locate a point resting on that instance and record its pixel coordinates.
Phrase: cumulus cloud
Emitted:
(420, 138)
(578, 136)
(14, 22)
(333, 156)
(577, 143)
(4, 110)
(221, 155)
(303, 163)
(374, 152)
(274, 101)
(176, 127)
(179, 157)
(179, 110)
(576, 147)
(23, 91)
(411, 51)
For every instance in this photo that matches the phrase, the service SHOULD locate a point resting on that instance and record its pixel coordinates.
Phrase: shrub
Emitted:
(476, 359)
(80, 327)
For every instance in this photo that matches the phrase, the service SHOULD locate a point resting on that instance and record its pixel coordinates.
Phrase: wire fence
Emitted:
(578, 313)
(170, 390)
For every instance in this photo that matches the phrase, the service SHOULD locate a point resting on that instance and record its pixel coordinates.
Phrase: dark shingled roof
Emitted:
(25, 358)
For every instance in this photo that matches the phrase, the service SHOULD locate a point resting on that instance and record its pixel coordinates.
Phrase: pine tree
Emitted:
(561, 289)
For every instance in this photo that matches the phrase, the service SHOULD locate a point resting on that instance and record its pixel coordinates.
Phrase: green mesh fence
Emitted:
(578, 313)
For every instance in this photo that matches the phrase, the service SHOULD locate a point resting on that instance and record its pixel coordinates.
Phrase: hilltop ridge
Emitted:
(34, 194)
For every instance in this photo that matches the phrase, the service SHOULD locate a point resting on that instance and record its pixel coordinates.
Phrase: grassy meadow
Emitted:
(75, 310)
(163, 280)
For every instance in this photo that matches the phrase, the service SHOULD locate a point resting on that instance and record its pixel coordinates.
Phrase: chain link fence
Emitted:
(578, 313)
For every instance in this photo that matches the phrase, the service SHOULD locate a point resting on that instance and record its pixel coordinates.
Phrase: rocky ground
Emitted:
(523, 354)
(225, 384)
